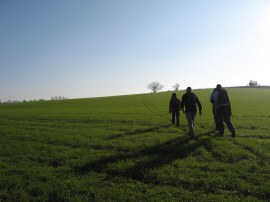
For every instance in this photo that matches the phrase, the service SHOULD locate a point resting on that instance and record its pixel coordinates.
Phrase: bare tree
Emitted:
(155, 86)
(253, 83)
(176, 87)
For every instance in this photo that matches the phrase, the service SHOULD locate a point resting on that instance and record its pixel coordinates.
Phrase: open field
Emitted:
(125, 149)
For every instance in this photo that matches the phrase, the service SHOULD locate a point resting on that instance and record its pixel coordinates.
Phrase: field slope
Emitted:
(124, 148)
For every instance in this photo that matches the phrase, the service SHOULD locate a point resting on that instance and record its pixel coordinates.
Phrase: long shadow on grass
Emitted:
(157, 156)
(137, 132)
(151, 158)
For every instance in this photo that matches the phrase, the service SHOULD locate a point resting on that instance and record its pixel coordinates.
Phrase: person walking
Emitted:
(189, 105)
(175, 108)
(224, 111)
(214, 100)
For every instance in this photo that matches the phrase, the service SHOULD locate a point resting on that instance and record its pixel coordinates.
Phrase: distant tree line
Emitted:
(59, 98)
(10, 101)
(34, 100)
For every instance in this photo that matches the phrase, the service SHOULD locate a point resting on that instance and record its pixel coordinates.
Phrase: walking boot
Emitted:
(221, 133)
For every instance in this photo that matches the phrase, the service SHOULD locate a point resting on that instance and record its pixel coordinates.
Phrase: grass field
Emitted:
(124, 148)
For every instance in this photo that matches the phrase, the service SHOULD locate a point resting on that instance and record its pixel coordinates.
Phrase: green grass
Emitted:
(124, 148)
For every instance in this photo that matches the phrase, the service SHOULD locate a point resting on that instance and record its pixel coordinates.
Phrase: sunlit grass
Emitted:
(125, 149)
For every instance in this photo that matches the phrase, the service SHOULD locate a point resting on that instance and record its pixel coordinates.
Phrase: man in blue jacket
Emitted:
(214, 101)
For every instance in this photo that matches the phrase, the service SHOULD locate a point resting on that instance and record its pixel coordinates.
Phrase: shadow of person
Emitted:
(138, 131)
(147, 159)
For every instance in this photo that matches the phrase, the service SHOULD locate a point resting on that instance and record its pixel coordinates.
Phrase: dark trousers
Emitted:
(215, 116)
(175, 115)
(224, 115)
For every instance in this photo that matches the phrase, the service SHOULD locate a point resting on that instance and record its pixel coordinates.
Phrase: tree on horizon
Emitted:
(176, 87)
(155, 86)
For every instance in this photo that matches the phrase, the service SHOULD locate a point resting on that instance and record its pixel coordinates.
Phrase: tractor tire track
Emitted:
(152, 109)
(261, 158)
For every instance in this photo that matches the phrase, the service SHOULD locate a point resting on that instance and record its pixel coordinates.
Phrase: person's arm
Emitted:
(183, 103)
(170, 109)
(179, 101)
(212, 97)
(199, 104)
(229, 101)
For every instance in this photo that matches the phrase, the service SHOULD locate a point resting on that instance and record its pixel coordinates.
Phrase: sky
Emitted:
(94, 48)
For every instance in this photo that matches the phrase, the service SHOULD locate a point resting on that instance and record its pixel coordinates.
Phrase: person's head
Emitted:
(219, 86)
(188, 90)
(173, 95)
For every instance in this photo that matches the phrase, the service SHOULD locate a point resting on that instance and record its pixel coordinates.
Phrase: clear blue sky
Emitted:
(91, 48)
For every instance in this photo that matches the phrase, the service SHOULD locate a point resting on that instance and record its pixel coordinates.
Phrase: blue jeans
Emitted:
(190, 119)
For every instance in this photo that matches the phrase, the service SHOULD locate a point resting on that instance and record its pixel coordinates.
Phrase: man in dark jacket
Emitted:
(224, 111)
(189, 105)
(174, 108)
